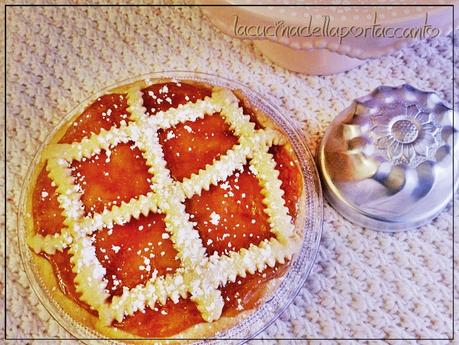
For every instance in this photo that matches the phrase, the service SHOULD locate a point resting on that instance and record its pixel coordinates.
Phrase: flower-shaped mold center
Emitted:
(405, 131)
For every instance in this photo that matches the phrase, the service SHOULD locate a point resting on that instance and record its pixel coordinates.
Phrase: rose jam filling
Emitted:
(230, 216)
(111, 177)
(162, 321)
(132, 252)
(190, 146)
(246, 293)
(107, 111)
(163, 96)
(65, 277)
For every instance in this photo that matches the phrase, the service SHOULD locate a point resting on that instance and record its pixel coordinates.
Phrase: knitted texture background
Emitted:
(365, 284)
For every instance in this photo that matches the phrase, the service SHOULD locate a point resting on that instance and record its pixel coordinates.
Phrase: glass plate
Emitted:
(300, 267)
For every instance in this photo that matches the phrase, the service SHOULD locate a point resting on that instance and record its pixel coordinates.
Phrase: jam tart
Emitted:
(165, 210)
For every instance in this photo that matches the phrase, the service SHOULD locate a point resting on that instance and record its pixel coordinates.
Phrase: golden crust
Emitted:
(80, 315)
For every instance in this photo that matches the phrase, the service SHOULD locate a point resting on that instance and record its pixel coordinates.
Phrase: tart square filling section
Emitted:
(230, 215)
(107, 111)
(105, 179)
(134, 252)
(108, 219)
(192, 145)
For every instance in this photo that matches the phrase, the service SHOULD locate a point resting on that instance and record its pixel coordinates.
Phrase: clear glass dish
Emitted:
(310, 218)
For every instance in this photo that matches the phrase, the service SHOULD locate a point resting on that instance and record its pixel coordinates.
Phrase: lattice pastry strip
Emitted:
(156, 290)
(121, 214)
(264, 167)
(269, 252)
(89, 280)
(222, 168)
(68, 194)
(117, 215)
(185, 238)
(234, 114)
(135, 105)
(199, 276)
(94, 144)
(185, 112)
(50, 243)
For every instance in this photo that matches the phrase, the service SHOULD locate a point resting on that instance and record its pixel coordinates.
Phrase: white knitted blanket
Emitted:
(365, 284)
